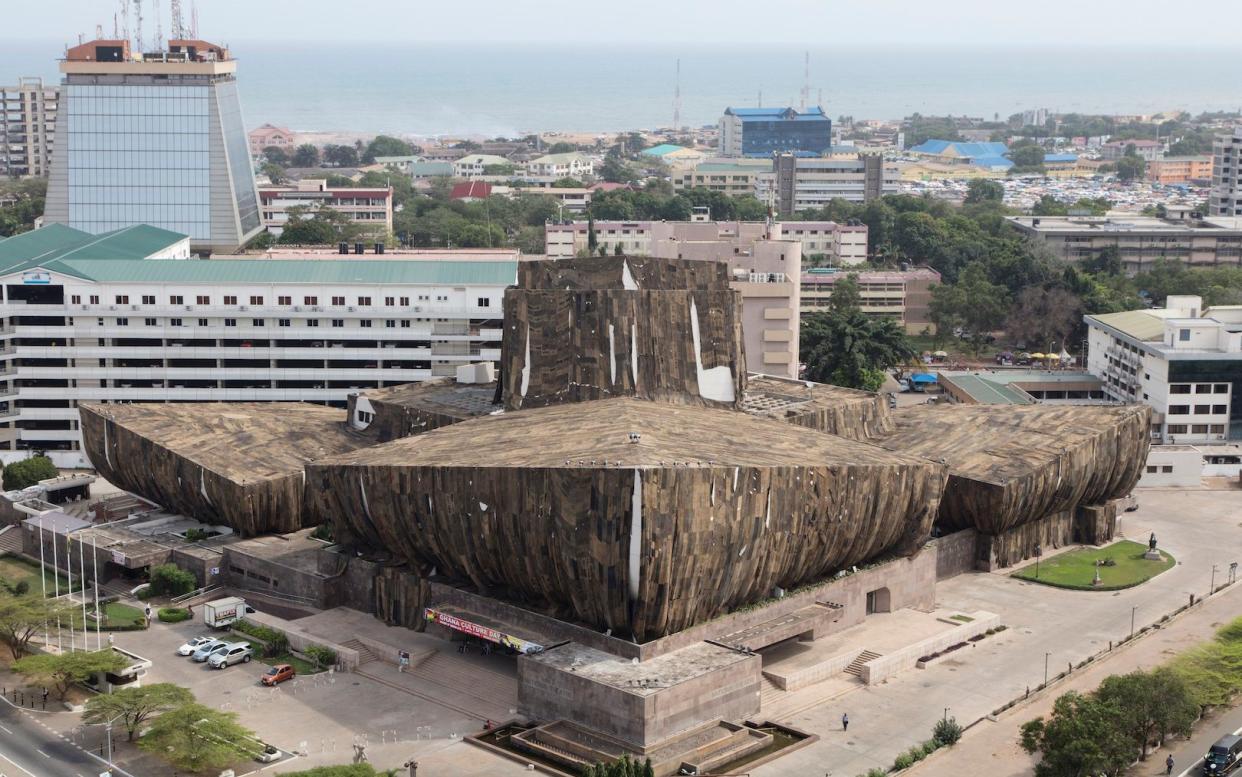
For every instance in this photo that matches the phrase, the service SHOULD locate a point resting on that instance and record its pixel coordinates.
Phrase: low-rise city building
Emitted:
(1149, 150)
(27, 128)
(1183, 361)
(1140, 240)
(734, 177)
(475, 165)
(271, 136)
(1226, 196)
(117, 318)
(800, 183)
(570, 164)
(369, 208)
(901, 295)
(986, 156)
(675, 156)
(1180, 169)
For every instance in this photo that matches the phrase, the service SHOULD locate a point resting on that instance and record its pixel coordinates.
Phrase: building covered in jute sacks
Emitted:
(628, 507)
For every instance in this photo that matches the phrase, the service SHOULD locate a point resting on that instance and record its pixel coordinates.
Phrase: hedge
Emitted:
(173, 614)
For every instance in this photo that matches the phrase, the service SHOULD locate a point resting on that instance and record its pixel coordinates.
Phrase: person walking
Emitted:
(845, 722)
(1168, 764)
(189, 612)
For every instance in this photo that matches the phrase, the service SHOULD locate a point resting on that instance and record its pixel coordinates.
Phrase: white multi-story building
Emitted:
(1182, 360)
(103, 319)
(27, 128)
(570, 164)
(475, 165)
(1226, 197)
(370, 209)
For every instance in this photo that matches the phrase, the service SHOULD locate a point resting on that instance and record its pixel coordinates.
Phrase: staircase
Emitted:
(470, 679)
(864, 658)
(365, 656)
(769, 693)
(11, 541)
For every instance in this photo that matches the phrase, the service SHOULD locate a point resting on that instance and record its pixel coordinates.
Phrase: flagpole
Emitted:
(69, 593)
(86, 632)
(47, 635)
(98, 614)
(56, 572)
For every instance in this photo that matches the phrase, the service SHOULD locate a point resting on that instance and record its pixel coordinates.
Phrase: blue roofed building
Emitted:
(987, 155)
(761, 132)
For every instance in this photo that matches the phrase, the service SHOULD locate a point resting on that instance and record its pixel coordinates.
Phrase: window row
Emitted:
(1196, 429)
(1198, 409)
(1199, 388)
(336, 323)
(258, 299)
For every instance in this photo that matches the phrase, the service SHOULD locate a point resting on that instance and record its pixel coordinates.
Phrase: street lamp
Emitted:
(946, 714)
(1212, 587)
(1133, 610)
(1046, 655)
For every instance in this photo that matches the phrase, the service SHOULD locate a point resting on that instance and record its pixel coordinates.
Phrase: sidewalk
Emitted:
(991, 749)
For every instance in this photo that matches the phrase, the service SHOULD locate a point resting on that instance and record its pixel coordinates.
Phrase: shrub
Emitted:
(322, 656)
(172, 614)
(916, 753)
(22, 588)
(877, 772)
(195, 535)
(171, 580)
(929, 747)
(946, 732)
(275, 642)
(903, 761)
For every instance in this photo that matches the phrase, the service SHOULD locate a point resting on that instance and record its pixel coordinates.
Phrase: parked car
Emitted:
(194, 644)
(269, 755)
(207, 649)
(236, 653)
(278, 674)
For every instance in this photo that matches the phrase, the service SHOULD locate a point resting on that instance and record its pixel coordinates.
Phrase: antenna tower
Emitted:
(176, 25)
(194, 19)
(98, 32)
(159, 28)
(806, 82)
(125, 19)
(759, 104)
(138, 27)
(677, 99)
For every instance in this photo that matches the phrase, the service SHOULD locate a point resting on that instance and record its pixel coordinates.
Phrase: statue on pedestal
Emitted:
(1151, 543)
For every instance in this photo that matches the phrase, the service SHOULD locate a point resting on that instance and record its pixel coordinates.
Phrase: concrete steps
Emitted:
(365, 656)
(468, 678)
(11, 540)
(865, 657)
(769, 693)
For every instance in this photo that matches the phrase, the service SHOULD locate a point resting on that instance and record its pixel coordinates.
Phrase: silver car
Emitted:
(203, 652)
(236, 653)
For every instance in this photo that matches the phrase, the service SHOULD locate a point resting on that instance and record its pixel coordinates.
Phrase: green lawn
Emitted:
(121, 614)
(1076, 568)
(14, 569)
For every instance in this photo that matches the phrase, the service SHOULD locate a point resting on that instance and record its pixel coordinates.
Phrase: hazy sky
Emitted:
(635, 21)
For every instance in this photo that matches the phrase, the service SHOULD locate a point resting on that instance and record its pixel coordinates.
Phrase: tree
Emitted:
(62, 670)
(274, 172)
(134, 706)
(1028, 157)
(386, 145)
(276, 155)
(615, 170)
(561, 147)
(973, 302)
(193, 737)
(305, 155)
(340, 156)
(1131, 166)
(28, 472)
(846, 295)
(1153, 705)
(1083, 737)
(23, 616)
(592, 238)
(983, 190)
(846, 347)
(1107, 261)
(1041, 316)
(171, 580)
(567, 183)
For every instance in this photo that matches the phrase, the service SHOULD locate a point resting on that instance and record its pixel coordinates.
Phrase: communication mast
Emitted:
(159, 28)
(125, 20)
(806, 82)
(194, 19)
(138, 27)
(677, 99)
(176, 24)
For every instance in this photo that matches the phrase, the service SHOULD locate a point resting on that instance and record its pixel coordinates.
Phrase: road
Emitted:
(1188, 756)
(27, 749)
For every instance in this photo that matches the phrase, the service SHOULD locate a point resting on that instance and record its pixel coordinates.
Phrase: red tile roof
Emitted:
(476, 189)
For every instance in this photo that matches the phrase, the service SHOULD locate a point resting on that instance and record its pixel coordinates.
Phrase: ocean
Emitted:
(506, 90)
